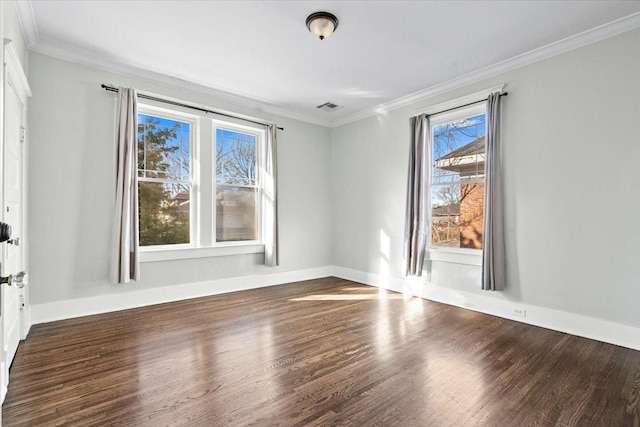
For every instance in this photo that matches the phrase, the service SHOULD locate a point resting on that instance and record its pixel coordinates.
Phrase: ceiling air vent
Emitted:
(329, 106)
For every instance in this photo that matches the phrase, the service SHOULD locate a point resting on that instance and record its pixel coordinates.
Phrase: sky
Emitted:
(446, 138)
(180, 160)
(469, 129)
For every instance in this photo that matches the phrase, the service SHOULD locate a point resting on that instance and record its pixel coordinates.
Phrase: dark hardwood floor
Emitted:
(321, 352)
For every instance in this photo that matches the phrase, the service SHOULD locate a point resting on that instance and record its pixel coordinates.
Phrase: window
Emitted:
(236, 186)
(457, 182)
(199, 181)
(164, 180)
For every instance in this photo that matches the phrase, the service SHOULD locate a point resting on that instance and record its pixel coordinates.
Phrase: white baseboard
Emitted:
(571, 323)
(3, 386)
(68, 309)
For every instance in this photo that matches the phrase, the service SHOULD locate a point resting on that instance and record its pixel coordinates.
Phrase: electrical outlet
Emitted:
(520, 312)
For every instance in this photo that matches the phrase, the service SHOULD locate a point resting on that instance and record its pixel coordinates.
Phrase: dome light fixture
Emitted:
(322, 24)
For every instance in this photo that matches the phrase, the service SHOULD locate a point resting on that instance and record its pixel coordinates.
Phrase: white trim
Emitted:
(260, 135)
(3, 369)
(456, 256)
(460, 112)
(73, 54)
(556, 48)
(3, 387)
(15, 77)
(15, 73)
(194, 109)
(201, 217)
(68, 309)
(194, 161)
(497, 305)
(27, 21)
(168, 253)
(84, 58)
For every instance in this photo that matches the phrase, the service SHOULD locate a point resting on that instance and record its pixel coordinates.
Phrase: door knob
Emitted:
(5, 232)
(15, 241)
(18, 280)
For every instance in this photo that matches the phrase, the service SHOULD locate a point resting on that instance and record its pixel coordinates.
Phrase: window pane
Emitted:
(458, 150)
(457, 212)
(164, 213)
(457, 192)
(235, 158)
(236, 214)
(163, 148)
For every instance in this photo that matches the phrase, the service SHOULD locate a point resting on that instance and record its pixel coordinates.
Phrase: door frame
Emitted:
(14, 75)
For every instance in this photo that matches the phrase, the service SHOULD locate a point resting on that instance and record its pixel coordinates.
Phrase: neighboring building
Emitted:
(445, 225)
(468, 162)
(236, 217)
(183, 201)
(235, 213)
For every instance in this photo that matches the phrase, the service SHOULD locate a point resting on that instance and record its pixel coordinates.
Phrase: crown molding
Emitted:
(68, 53)
(15, 72)
(85, 58)
(455, 103)
(27, 21)
(573, 42)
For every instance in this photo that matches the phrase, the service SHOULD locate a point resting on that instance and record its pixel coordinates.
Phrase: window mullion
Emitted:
(164, 199)
(165, 180)
(207, 184)
(255, 187)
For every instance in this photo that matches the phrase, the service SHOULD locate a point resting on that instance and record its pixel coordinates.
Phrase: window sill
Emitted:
(169, 254)
(456, 256)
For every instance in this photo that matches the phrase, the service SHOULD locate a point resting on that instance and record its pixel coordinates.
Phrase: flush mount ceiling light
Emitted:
(322, 24)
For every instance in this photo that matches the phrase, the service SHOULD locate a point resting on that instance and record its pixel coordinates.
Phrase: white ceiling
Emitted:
(259, 53)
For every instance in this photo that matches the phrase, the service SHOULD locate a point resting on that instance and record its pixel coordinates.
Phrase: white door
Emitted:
(13, 260)
(13, 319)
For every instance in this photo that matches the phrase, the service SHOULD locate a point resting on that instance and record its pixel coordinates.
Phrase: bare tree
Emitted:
(451, 177)
(454, 193)
(236, 160)
(448, 138)
(448, 135)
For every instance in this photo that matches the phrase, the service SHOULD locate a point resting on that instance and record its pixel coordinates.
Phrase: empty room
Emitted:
(319, 213)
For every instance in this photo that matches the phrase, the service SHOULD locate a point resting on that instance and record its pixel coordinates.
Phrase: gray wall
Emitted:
(572, 180)
(71, 189)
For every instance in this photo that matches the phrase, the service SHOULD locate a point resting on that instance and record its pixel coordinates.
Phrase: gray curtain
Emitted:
(493, 276)
(124, 244)
(271, 258)
(418, 211)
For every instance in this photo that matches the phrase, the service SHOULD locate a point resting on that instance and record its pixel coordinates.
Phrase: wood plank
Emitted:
(319, 352)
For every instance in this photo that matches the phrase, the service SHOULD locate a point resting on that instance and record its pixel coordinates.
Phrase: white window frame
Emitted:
(442, 253)
(466, 256)
(203, 187)
(194, 123)
(260, 135)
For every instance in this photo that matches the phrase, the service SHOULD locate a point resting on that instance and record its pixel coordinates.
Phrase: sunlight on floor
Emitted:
(343, 297)
(414, 308)
(372, 293)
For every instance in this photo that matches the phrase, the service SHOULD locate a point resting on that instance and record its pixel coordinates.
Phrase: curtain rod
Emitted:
(193, 107)
(460, 106)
